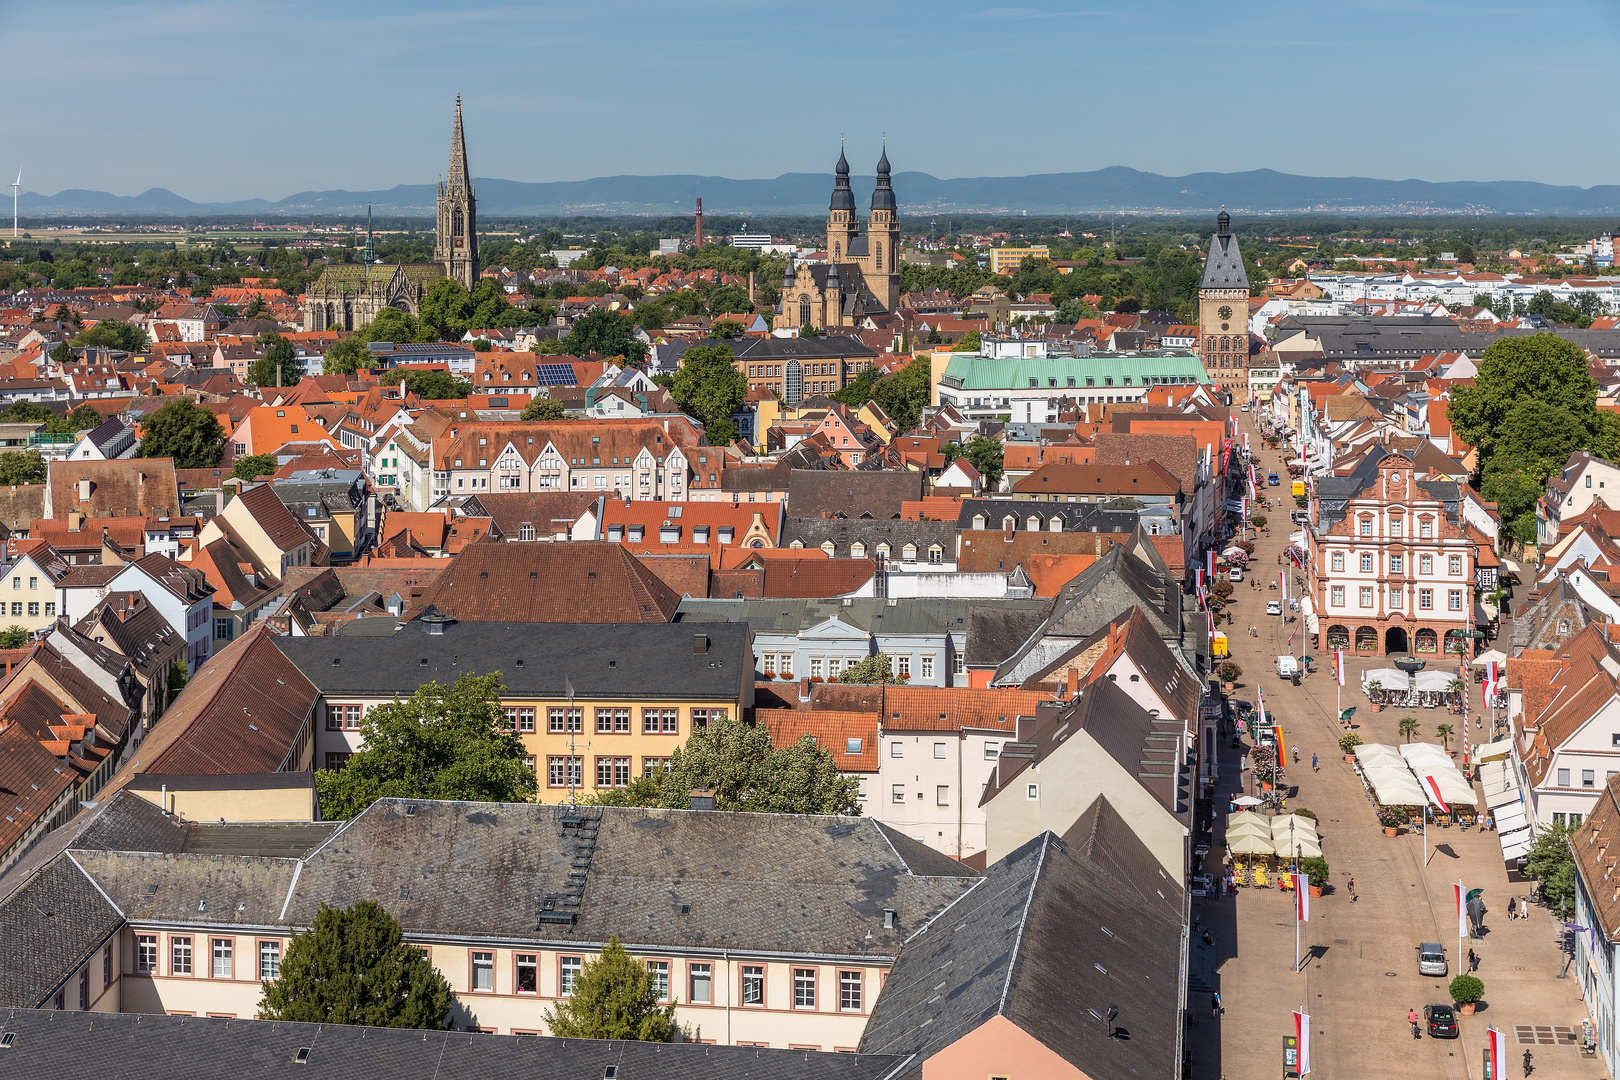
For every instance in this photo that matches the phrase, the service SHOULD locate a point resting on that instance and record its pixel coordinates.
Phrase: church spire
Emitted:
(459, 176)
(371, 250)
(842, 197)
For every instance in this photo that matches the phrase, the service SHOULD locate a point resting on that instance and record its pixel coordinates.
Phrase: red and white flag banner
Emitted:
(1462, 909)
(1302, 897)
(1302, 1032)
(1338, 665)
(1496, 1042)
(1431, 787)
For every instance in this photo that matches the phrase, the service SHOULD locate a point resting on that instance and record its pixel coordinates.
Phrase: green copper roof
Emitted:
(972, 372)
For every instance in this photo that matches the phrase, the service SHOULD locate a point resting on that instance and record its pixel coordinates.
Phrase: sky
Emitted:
(229, 99)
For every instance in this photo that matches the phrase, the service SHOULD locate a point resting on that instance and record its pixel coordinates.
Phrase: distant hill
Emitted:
(1262, 191)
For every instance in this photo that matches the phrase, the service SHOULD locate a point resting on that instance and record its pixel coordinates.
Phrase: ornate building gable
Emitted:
(349, 296)
(861, 276)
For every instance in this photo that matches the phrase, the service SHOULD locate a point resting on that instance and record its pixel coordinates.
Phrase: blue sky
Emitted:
(229, 99)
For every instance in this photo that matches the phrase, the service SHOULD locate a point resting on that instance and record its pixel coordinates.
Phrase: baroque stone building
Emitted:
(1223, 312)
(862, 274)
(350, 295)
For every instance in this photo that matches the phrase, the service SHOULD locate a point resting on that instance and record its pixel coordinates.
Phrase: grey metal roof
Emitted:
(135, 1046)
(542, 660)
(1050, 939)
(1116, 515)
(876, 616)
(837, 493)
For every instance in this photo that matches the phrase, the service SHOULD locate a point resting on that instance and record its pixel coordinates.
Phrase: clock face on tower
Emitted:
(1224, 312)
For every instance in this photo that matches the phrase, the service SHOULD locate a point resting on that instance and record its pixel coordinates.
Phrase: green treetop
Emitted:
(614, 997)
(443, 742)
(354, 967)
(747, 773)
(186, 432)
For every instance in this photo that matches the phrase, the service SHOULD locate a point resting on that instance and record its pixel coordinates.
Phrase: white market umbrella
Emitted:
(1281, 826)
(1485, 658)
(1379, 756)
(1297, 846)
(1251, 845)
(1246, 800)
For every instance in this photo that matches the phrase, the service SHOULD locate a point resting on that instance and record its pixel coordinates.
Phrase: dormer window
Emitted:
(827, 546)
(857, 550)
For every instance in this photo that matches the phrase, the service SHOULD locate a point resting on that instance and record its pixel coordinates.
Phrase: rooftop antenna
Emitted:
(14, 186)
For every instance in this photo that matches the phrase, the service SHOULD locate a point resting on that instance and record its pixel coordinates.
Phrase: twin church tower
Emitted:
(862, 274)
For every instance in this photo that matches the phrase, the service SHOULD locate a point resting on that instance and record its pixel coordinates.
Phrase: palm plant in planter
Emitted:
(1466, 990)
(1374, 688)
(1445, 733)
(1408, 728)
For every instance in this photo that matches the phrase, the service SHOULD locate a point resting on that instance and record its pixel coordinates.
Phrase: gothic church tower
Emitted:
(1223, 312)
(842, 227)
(456, 245)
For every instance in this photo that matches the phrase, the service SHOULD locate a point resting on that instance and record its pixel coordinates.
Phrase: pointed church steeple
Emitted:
(883, 194)
(459, 177)
(842, 197)
(371, 249)
(456, 245)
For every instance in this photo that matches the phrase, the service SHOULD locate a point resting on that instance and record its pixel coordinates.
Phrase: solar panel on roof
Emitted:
(557, 374)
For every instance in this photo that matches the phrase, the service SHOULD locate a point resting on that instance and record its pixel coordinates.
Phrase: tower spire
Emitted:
(371, 250)
(459, 176)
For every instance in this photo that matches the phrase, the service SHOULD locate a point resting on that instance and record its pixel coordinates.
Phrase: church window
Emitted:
(804, 311)
(879, 249)
(837, 251)
(455, 222)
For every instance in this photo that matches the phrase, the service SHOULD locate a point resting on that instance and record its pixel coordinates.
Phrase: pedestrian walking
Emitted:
(1215, 1003)
(1314, 766)
(1296, 755)
(1524, 908)
(1473, 960)
(1352, 888)
(1209, 938)
(1513, 907)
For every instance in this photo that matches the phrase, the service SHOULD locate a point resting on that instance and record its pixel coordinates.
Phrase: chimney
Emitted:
(85, 487)
(804, 688)
(75, 520)
(703, 798)
(750, 286)
(699, 223)
(700, 644)
(1073, 684)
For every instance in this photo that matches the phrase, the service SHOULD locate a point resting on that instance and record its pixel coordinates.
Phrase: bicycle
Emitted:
(1528, 1068)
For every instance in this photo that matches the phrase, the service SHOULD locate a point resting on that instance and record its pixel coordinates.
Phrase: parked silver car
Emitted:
(1431, 959)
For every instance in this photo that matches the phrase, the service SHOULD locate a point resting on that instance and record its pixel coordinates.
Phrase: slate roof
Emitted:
(52, 924)
(995, 633)
(1145, 746)
(907, 615)
(814, 493)
(134, 1046)
(581, 581)
(812, 532)
(747, 882)
(1223, 266)
(1052, 940)
(541, 660)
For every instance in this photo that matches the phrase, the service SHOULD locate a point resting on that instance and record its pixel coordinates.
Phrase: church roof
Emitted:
(1223, 269)
(352, 277)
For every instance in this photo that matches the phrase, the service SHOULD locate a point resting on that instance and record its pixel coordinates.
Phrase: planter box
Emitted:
(1467, 1008)
(1316, 891)
(1350, 759)
(1390, 832)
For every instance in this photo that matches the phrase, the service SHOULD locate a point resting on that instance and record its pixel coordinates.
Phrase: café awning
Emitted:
(1394, 786)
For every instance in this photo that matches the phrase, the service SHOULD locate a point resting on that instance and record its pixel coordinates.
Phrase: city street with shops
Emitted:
(1359, 973)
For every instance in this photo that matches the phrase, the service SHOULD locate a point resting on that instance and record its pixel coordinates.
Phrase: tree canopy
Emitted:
(346, 357)
(605, 332)
(22, 467)
(113, 334)
(253, 466)
(428, 383)
(710, 388)
(543, 408)
(983, 454)
(614, 997)
(83, 418)
(748, 773)
(1531, 405)
(354, 967)
(449, 310)
(186, 432)
(279, 364)
(874, 669)
(1551, 862)
(902, 395)
(443, 742)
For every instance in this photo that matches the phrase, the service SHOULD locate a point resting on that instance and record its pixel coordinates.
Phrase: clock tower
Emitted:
(1223, 313)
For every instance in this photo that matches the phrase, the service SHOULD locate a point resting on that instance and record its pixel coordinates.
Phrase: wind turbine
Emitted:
(17, 184)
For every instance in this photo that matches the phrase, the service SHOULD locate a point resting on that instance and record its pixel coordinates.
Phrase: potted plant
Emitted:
(1347, 745)
(1229, 673)
(1391, 819)
(1258, 521)
(1445, 732)
(1304, 813)
(1315, 869)
(1409, 728)
(1374, 688)
(1466, 990)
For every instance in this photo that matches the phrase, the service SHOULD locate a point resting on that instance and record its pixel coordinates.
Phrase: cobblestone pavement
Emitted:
(1361, 976)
